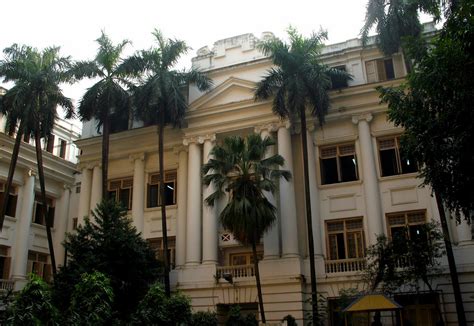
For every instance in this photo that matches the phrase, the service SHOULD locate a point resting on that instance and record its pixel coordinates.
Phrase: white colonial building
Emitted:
(360, 186)
(23, 241)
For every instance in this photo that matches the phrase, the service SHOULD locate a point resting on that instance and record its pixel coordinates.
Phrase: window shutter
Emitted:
(51, 211)
(127, 183)
(381, 70)
(371, 70)
(6, 268)
(155, 179)
(47, 272)
(328, 152)
(29, 267)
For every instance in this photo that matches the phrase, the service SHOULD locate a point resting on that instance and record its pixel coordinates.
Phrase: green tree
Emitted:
(157, 308)
(239, 167)
(112, 246)
(435, 108)
(204, 318)
(397, 24)
(33, 305)
(160, 99)
(32, 104)
(107, 101)
(91, 301)
(298, 82)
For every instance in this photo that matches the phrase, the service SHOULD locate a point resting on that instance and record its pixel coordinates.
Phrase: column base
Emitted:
(290, 255)
(20, 282)
(209, 262)
(271, 257)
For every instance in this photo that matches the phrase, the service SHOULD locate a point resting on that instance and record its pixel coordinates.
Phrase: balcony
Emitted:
(237, 271)
(345, 265)
(6, 285)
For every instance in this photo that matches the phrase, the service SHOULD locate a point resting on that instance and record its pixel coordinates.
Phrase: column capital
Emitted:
(180, 148)
(269, 127)
(136, 156)
(362, 117)
(31, 173)
(199, 139)
(89, 165)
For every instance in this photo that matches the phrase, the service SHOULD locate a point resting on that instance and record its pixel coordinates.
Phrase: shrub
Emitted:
(204, 318)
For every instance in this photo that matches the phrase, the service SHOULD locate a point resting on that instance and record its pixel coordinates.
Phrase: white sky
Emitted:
(74, 25)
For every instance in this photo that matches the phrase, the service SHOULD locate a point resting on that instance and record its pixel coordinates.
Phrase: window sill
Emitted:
(340, 184)
(158, 208)
(399, 176)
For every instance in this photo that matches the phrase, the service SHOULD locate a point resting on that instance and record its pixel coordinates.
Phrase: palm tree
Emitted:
(160, 99)
(299, 81)
(32, 103)
(107, 101)
(239, 167)
(397, 24)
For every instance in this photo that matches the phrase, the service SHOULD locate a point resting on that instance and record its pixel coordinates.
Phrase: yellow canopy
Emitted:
(372, 302)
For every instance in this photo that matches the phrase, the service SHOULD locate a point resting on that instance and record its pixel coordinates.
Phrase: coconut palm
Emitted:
(298, 82)
(239, 167)
(160, 99)
(397, 23)
(107, 101)
(32, 104)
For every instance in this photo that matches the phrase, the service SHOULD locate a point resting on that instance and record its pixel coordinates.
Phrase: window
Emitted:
(75, 221)
(62, 148)
(5, 262)
(157, 245)
(153, 191)
(12, 200)
(406, 225)
(392, 160)
(78, 188)
(121, 191)
(336, 82)
(379, 70)
(38, 211)
(50, 143)
(345, 239)
(26, 138)
(243, 258)
(38, 264)
(338, 164)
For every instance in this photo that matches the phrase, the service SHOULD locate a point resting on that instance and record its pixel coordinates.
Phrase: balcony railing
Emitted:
(345, 265)
(6, 285)
(236, 271)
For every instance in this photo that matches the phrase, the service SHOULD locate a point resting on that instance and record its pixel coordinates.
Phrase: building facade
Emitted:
(23, 241)
(361, 185)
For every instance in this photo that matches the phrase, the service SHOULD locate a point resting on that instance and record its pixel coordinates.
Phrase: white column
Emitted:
(313, 190)
(85, 196)
(182, 202)
(138, 197)
(209, 214)
(60, 224)
(464, 232)
(96, 189)
(20, 252)
(372, 198)
(271, 240)
(289, 228)
(194, 223)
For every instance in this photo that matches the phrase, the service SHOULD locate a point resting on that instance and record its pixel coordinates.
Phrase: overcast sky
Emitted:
(74, 25)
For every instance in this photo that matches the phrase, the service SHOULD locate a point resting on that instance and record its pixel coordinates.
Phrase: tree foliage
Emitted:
(112, 246)
(435, 107)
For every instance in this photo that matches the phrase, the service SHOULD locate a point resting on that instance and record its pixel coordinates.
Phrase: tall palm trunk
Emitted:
(309, 224)
(451, 262)
(161, 127)
(11, 171)
(39, 159)
(105, 155)
(257, 278)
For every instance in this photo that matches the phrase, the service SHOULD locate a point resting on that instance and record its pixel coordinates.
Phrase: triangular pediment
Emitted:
(230, 91)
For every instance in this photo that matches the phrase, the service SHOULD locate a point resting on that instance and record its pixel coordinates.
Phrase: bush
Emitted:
(157, 309)
(204, 318)
(33, 305)
(236, 318)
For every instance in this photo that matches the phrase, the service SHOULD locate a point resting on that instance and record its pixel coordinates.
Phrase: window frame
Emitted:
(62, 148)
(379, 63)
(125, 183)
(398, 156)
(157, 246)
(407, 223)
(345, 231)
(51, 205)
(13, 193)
(171, 176)
(35, 265)
(338, 157)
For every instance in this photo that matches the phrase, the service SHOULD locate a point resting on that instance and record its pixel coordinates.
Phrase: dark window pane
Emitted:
(388, 162)
(389, 71)
(50, 143)
(113, 195)
(39, 214)
(338, 81)
(62, 149)
(329, 170)
(11, 207)
(399, 234)
(341, 250)
(408, 165)
(417, 232)
(169, 193)
(152, 195)
(348, 168)
(51, 211)
(124, 197)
